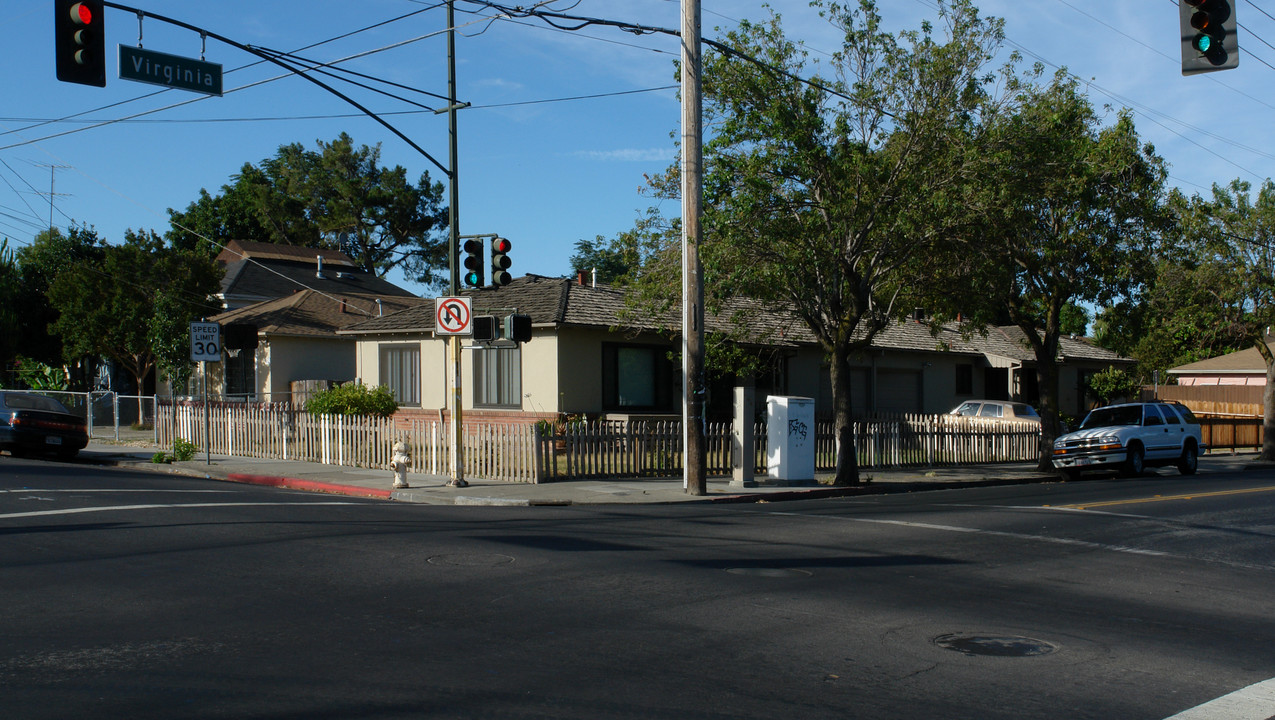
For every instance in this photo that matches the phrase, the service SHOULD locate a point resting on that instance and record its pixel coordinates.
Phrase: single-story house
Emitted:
(297, 340)
(1243, 367)
(589, 355)
(297, 298)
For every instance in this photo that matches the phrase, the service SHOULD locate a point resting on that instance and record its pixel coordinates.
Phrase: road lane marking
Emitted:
(995, 533)
(1255, 702)
(1161, 498)
(160, 506)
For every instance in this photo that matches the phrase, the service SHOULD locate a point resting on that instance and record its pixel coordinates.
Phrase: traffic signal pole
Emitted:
(455, 446)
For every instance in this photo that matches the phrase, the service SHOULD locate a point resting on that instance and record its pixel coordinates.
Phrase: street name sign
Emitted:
(453, 316)
(205, 342)
(174, 71)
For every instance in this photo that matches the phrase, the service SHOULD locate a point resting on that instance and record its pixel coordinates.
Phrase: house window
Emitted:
(498, 377)
(638, 377)
(401, 373)
(964, 379)
(241, 375)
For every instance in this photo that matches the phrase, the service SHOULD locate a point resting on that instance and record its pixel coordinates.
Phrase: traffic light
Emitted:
(1209, 42)
(79, 41)
(500, 261)
(517, 327)
(485, 328)
(474, 262)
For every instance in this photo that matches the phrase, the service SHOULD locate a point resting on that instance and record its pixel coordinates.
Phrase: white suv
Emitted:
(1131, 437)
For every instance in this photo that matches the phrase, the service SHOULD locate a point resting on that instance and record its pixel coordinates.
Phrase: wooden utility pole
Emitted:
(693, 385)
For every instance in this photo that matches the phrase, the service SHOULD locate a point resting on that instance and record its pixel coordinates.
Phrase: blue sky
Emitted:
(564, 125)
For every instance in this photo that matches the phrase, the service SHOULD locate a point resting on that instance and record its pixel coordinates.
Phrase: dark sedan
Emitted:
(39, 424)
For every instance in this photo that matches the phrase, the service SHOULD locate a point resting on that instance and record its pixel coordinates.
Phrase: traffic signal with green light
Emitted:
(79, 42)
(473, 262)
(1209, 42)
(500, 261)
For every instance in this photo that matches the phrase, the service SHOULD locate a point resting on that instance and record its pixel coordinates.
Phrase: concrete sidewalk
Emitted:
(433, 489)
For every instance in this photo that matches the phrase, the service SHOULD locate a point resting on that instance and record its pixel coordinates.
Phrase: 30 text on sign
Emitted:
(205, 342)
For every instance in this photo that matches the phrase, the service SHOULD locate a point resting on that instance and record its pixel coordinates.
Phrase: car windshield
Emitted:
(1118, 415)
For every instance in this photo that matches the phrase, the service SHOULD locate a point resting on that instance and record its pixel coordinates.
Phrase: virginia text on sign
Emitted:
(173, 71)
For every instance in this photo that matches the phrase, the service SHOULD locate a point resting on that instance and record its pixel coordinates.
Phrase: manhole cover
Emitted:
(471, 559)
(995, 645)
(768, 572)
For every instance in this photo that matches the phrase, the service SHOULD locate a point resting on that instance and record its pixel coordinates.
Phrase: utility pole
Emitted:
(456, 447)
(52, 175)
(693, 390)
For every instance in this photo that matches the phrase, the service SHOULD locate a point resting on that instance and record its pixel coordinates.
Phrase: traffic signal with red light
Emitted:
(79, 42)
(500, 261)
(474, 262)
(1209, 42)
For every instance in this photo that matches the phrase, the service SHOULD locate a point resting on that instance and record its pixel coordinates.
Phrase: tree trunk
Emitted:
(847, 459)
(1047, 382)
(1268, 412)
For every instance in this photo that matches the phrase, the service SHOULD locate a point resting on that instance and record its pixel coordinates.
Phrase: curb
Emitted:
(311, 485)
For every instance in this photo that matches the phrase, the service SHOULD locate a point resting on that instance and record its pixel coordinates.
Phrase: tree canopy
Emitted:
(339, 197)
(830, 196)
(1067, 211)
(133, 303)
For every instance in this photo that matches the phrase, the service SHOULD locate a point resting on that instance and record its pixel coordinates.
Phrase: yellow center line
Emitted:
(1161, 498)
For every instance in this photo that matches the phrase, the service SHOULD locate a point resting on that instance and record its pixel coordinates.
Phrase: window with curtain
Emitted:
(401, 372)
(497, 377)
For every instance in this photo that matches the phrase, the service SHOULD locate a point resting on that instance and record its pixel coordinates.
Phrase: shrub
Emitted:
(161, 458)
(353, 399)
(183, 449)
(1113, 384)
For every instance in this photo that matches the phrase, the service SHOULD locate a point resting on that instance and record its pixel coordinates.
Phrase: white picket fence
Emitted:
(496, 451)
(524, 453)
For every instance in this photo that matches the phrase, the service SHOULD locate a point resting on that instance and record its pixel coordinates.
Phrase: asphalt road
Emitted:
(150, 596)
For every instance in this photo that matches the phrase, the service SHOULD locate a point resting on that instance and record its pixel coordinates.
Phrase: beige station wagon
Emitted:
(997, 410)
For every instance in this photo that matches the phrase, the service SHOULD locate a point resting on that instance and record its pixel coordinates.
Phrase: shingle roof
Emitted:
(258, 271)
(311, 314)
(1246, 361)
(563, 301)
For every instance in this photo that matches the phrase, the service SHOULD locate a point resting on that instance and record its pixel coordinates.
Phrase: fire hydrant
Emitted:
(398, 464)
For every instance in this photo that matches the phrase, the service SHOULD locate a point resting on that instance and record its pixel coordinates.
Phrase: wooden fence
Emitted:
(652, 449)
(1229, 400)
(527, 453)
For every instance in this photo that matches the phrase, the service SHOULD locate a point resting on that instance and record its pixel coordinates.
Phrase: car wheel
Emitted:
(1190, 460)
(1134, 462)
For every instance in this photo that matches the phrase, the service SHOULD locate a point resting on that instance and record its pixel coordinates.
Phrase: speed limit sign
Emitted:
(205, 342)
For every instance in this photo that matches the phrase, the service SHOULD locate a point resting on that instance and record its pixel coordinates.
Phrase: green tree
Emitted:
(1069, 212)
(831, 197)
(1239, 231)
(10, 297)
(39, 263)
(337, 197)
(141, 295)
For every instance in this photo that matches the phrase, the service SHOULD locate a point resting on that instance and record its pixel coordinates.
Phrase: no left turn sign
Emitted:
(452, 316)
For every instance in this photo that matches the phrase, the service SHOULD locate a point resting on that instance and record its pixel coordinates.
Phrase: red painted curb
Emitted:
(312, 485)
